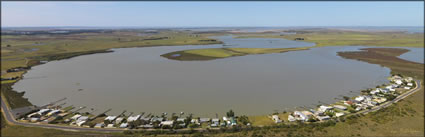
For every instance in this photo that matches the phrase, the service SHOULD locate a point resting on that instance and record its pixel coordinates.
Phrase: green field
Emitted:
(217, 53)
(349, 38)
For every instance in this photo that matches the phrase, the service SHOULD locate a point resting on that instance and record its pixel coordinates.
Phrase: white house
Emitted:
(340, 107)
(398, 82)
(82, 118)
(75, 117)
(53, 112)
(339, 114)
(291, 118)
(202, 120)
(408, 79)
(324, 108)
(133, 118)
(43, 111)
(119, 120)
(195, 121)
(80, 123)
(167, 123)
(375, 91)
(409, 84)
(406, 87)
(99, 125)
(110, 126)
(300, 116)
(276, 119)
(321, 118)
(124, 125)
(359, 98)
(110, 118)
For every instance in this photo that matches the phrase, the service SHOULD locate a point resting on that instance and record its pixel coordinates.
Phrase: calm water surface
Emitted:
(139, 80)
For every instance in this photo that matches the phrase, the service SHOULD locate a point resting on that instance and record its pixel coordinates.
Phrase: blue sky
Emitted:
(211, 14)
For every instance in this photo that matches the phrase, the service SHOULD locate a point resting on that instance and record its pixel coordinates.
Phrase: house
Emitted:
(358, 108)
(410, 84)
(63, 114)
(202, 120)
(194, 121)
(99, 125)
(146, 126)
(223, 124)
(340, 107)
(124, 125)
(392, 90)
(408, 79)
(215, 120)
(53, 112)
(119, 120)
(34, 119)
(385, 91)
(324, 108)
(80, 123)
(300, 116)
(374, 92)
(110, 118)
(395, 85)
(35, 114)
(276, 119)
(43, 111)
(319, 113)
(157, 119)
(322, 118)
(145, 119)
(291, 118)
(110, 126)
(398, 82)
(133, 118)
(75, 117)
(226, 119)
(82, 118)
(232, 121)
(406, 87)
(359, 99)
(214, 124)
(339, 114)
(181, 119)
(167, 123)
(348, 103)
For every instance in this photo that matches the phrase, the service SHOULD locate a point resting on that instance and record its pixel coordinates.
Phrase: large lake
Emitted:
(140, 80)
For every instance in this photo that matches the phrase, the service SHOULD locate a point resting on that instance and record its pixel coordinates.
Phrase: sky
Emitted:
(211, 14)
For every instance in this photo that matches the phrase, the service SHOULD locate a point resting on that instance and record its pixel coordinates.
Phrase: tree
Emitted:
(192, 125)
(230, 113)
(8, 45)
(346, 98)
(244, 120)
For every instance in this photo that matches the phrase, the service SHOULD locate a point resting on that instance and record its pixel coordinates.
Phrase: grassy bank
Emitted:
(217, 53)
(348, 38)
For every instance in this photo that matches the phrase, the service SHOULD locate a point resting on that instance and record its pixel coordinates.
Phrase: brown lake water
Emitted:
(140, 80)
